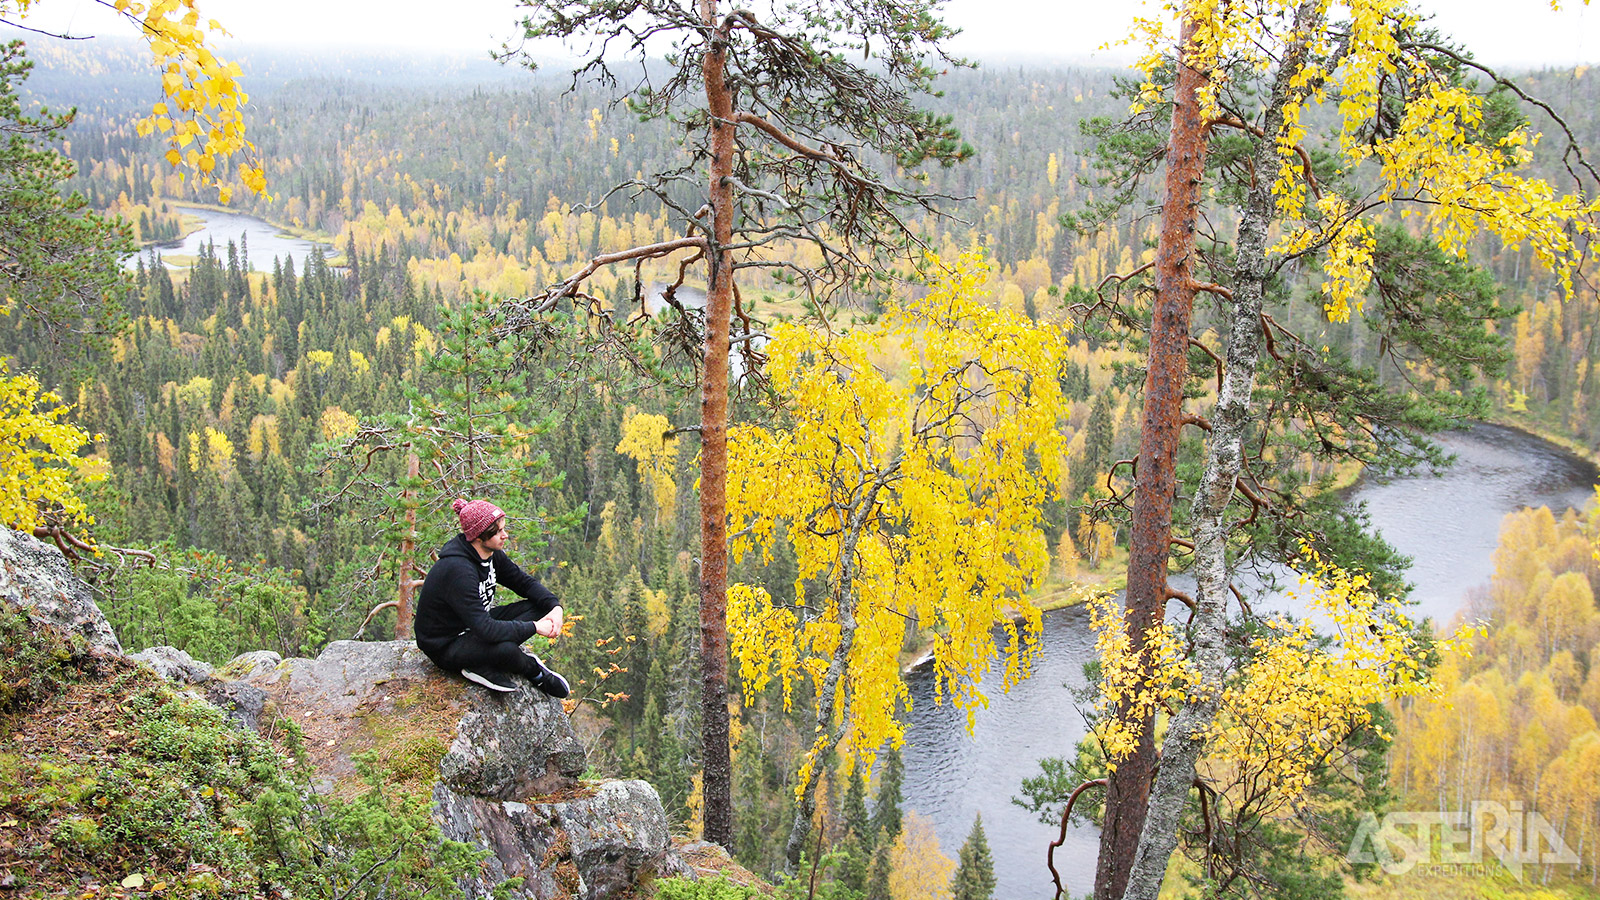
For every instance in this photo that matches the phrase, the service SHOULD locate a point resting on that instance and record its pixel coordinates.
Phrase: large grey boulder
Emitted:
(344, 676)
(35, 576)
(599, 843)
(522, 843)
(175, 665)
(244, 703)
(617, 836)
(504, 771)
(512, 746)
(247, 664)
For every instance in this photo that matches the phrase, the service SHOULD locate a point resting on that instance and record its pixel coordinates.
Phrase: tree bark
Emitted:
(1230, 420)
(835, 678)
(408, 549)
(717, 769)
(1128, 787)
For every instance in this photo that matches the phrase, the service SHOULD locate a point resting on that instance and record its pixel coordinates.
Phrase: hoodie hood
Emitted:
(460, 546)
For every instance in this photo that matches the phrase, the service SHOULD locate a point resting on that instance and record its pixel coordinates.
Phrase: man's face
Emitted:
(497, 541)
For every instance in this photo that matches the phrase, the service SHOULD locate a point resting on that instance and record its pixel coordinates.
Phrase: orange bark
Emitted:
(1128, 788)
(718, 771)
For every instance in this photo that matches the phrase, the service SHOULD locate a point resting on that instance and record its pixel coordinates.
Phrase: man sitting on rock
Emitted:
(459, 627)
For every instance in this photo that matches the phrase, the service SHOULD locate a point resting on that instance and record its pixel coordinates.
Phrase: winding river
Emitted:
(1448, 523)
(264, 240)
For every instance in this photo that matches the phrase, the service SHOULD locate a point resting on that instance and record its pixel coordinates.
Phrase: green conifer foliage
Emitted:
(878, 877)
(58, 260)
(471, 421)
(886, 811)
(857, 844)
(974, 878)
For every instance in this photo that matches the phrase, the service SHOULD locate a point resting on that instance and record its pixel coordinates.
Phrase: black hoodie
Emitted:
(459, 592)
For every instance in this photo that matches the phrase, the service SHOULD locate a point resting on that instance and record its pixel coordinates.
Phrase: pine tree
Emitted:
(974, 879)
(58, 259)
(792, 131)
(472, 430)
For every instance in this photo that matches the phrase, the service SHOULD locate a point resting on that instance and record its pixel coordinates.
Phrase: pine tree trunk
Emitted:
(1230, 420)
(718, 770)
(1128, 787)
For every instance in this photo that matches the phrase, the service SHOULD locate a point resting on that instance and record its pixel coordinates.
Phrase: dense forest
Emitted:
(229, 409)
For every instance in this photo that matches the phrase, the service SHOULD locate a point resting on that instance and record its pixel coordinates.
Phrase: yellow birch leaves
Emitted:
(645, 440)
(1303, 688)
(200, 119)
(39, 462)
(908, 480)
(1432, 155)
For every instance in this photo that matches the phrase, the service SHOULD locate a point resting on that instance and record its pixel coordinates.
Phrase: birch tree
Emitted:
(200, 115)
(904, 493)
(1235, 85)
(783, 131)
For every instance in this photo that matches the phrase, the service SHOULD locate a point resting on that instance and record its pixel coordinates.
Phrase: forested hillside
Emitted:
(232, 410)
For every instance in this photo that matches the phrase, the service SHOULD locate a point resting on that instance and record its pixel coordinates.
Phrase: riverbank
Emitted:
(285, 229)
(1564, 441)
(1410, 516)
(202, 223)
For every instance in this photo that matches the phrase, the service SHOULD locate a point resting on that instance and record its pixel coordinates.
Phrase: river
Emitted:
(1448, 523)
(264, 240)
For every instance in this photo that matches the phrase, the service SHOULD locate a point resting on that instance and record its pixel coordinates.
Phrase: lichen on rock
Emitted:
(35, 576)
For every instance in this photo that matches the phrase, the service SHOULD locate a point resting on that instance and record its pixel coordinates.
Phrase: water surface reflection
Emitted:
(1447, 523)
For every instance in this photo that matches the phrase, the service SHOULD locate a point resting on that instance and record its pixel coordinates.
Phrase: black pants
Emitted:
(469, 651)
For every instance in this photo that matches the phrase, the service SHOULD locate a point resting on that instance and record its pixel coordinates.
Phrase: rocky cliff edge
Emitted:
(504, 770)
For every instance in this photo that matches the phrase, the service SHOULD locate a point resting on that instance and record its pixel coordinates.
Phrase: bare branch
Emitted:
(1066, 814)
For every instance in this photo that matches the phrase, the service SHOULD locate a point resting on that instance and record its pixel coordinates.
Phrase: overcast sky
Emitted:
(1502, 32)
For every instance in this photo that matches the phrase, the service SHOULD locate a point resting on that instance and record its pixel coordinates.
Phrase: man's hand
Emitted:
(550, 625)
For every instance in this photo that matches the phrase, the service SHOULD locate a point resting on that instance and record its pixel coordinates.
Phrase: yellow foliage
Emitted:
(918, 869)
(1434, 153)
(338, 424)
(1518, 718)
(1066, 555)
(319, 360)
(195, 394)
(645, 441)
(39, 462)
(1296, 698)
(658, 611)
(911, 493)
(203, 97)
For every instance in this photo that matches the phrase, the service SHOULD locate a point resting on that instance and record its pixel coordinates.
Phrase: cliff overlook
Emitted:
(365, 770)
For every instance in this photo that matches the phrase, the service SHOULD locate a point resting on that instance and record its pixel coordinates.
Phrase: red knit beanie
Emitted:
(476, 517)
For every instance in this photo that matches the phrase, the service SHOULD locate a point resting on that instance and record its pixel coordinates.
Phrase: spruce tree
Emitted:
(886, 811)
(878, 877)
(857, 844)
(974, 878)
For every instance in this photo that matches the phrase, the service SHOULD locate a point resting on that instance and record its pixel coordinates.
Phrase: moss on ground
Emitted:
(115, 784)
(109, 775)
